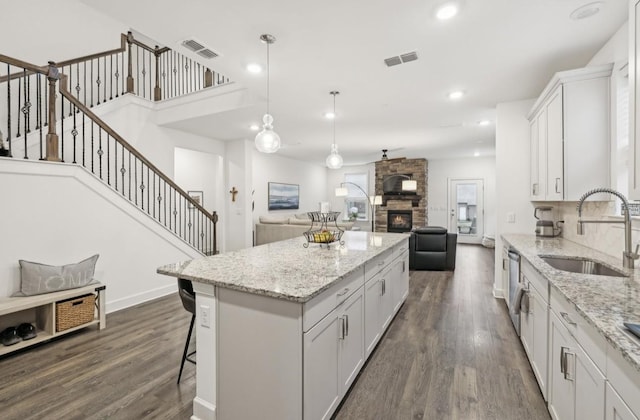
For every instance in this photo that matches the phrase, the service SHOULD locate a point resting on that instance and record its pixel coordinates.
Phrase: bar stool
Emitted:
(188, 297)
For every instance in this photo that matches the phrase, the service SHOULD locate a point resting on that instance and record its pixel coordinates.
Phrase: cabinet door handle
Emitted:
(383, 287)
(504, 264)
(567, 373)
(404, 266)
(342, 329)
(557, 180)
(534, 189)
(565, 316)
(346, 325)
(344, 292)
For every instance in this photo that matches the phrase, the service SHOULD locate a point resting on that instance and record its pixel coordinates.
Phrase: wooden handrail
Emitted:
(69, 96)
(123, 48)
(19, 63)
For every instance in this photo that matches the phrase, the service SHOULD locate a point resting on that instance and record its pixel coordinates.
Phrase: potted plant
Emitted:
(353, 214)
(3, 151)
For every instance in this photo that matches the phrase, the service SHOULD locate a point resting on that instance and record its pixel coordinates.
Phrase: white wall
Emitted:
(311, 178)
(441, 171)
(199, 171)
(512, 177)
(239, 219)
(75, 30)
(60, 213)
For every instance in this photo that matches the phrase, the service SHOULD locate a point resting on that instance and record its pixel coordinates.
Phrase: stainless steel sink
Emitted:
(581, 265)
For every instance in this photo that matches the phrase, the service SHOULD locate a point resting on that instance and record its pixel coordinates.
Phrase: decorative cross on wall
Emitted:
(233, 193)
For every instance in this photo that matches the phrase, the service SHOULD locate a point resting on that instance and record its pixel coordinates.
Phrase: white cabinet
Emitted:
(634, 100)
(384, 293)
(577, 386)
(321, 381)
(615, 408)
(536, 188)
(570, 131)
(351, 340)
(333, 356)
(534, 323)
(562, 395)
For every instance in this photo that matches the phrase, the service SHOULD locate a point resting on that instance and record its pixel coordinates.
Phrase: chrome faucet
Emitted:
(628, 257)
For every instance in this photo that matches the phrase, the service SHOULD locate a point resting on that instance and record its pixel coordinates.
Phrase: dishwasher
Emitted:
(514, 281)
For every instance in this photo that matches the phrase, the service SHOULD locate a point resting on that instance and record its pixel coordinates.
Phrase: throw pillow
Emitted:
(37, 279)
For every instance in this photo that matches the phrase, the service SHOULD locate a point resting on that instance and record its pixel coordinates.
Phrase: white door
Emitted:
(466, 209)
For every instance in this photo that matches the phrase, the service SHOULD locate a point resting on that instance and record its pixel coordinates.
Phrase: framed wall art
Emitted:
(284, 196)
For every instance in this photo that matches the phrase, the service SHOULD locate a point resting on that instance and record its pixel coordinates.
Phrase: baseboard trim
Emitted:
(119, 304)
(203, 410)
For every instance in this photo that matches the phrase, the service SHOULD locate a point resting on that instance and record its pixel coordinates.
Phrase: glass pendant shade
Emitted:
(267, 140)
(334, 160)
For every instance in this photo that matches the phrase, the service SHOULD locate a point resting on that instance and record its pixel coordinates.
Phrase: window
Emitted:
(356, 199)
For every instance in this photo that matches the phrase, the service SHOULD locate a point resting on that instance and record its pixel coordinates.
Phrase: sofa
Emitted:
(272, 228)
(432, 248)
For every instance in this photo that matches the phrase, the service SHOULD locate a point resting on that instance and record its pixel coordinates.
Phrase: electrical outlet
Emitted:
(511, 217)
(205, 316)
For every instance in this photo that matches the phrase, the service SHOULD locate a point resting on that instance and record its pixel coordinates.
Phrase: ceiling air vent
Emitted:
(199, 49)
(393, 61)
(412, 56)
(404, 58)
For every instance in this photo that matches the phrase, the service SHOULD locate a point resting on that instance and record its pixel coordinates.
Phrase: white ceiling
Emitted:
(494, 50)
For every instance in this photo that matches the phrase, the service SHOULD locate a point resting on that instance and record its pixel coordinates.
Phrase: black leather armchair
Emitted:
(432, 248)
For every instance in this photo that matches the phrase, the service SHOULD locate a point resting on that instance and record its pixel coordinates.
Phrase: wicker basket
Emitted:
(76, 311)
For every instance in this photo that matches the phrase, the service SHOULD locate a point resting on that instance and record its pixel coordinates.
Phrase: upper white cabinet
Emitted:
(634, 97)
(569, 134)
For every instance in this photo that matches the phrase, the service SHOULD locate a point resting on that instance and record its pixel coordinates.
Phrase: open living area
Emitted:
(361, 210)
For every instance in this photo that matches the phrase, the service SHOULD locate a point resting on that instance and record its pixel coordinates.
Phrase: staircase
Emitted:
(46, 114)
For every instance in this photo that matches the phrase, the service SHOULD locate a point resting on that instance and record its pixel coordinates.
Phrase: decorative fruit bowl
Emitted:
(323, 236)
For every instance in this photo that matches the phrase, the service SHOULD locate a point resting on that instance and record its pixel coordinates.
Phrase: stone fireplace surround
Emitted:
(418, 170)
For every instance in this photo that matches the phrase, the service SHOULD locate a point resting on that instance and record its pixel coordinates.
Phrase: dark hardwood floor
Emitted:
(451, 352)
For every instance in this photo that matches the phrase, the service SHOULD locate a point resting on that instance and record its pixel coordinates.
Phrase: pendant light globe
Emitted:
(267, 140)
(334, 160)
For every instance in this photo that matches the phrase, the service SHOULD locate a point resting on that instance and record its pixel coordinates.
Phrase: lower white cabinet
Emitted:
(333, 356)
(614, 407)
(576, 385)
(534, 325)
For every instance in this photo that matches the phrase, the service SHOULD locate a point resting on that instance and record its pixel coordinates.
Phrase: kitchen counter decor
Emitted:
(319, 231)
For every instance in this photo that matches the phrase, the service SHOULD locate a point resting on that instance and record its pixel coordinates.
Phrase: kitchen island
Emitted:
(283, 330)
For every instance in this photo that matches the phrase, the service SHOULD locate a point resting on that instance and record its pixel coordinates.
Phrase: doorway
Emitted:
(466, 209)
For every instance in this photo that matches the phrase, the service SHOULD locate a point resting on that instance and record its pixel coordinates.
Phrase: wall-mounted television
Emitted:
(392, 184)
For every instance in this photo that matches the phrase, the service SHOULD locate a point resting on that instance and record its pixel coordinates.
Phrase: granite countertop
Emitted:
(285, 269)
(604, 302)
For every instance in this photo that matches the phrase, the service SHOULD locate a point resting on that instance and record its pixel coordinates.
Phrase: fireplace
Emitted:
(399, 220)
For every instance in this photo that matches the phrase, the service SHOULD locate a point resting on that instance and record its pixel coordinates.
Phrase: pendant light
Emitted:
(267, 140)
(334, 160)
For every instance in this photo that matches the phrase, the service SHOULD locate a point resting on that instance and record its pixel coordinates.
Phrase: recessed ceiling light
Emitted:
(254, 127)
(254, 68)
(447, 10)
(476, 154)
(456, 94)
(329, 115)
(484, 123)
(586, 10)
